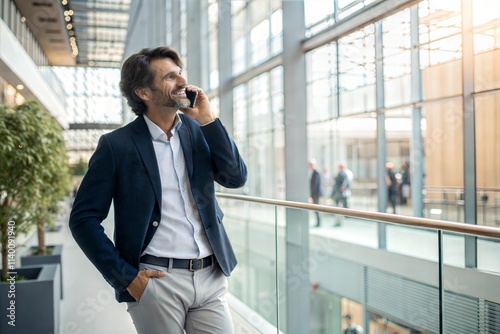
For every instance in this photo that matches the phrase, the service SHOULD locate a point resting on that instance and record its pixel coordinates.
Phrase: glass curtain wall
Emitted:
(258, 103)
(213, 20)
(342, 105)
(93, 105)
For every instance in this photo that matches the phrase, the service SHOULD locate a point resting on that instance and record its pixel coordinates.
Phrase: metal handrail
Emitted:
(454, 190)
(464, 228)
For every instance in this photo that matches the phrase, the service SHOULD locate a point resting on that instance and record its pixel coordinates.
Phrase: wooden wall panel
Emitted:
(443, 139)
(442, 80)
(487, 70)
(443, 145)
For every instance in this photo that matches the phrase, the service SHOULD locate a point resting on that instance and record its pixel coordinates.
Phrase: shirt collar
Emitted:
(156, 132)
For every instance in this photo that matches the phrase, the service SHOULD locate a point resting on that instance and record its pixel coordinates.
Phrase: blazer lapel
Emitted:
(144, 144)
(187, 147)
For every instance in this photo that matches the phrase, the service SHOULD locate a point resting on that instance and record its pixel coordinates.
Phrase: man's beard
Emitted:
(179, 103)
(164, 99)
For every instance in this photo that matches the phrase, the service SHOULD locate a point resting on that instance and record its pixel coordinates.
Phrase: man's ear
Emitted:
(142, 93)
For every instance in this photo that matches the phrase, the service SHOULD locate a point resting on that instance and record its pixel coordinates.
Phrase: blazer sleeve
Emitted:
(90, 208)
(228, 166)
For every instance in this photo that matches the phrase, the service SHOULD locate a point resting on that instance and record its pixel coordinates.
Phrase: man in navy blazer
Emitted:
(159, 173)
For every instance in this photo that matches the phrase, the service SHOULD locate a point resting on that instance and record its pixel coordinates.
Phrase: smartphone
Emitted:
(192, 96)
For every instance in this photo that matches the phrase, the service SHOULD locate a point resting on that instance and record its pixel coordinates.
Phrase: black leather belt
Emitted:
(193, 265)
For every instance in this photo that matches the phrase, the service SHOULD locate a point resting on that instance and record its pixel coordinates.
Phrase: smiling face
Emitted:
(168, 90)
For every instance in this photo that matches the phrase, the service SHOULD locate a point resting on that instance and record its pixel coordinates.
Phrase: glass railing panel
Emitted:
(417, 284)
(471, 302)
(380, 291)
(422, 243)
(251, 227)
(284, 272)
(351, 229)
(488, 251)
(336, 283)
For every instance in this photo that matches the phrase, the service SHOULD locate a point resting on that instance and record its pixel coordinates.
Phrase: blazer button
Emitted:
(155, 223)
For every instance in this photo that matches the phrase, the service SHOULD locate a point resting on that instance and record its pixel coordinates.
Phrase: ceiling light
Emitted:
(20, 87)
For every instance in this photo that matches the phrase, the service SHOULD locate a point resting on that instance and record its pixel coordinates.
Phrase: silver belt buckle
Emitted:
(191, 265)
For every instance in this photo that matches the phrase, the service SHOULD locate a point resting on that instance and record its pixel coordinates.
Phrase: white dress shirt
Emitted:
(180, 233)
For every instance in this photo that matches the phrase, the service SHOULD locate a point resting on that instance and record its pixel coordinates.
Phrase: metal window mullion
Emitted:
(295, 107)
(225, 57)
(469, 124)
(176, 25)
(194, 42)
(417, 151)
(381, 136)
(168, 19)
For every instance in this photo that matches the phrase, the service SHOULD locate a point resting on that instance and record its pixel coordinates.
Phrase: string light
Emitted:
(67, 17)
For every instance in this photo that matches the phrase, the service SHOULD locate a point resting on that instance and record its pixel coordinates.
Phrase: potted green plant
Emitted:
(56, 184)
(32, 174)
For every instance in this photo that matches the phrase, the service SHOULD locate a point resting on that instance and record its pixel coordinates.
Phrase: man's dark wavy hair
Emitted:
(137, 73)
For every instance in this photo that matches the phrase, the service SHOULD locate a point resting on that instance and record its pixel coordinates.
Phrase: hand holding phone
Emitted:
(202, 112)
(192, 96)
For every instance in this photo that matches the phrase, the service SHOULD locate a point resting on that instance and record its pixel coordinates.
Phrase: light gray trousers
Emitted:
(183, 301)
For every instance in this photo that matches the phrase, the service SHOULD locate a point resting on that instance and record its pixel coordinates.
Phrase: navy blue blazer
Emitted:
(124, 170)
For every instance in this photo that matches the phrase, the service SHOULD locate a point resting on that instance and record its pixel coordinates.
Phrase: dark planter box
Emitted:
(54, 258)
(33, 303)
